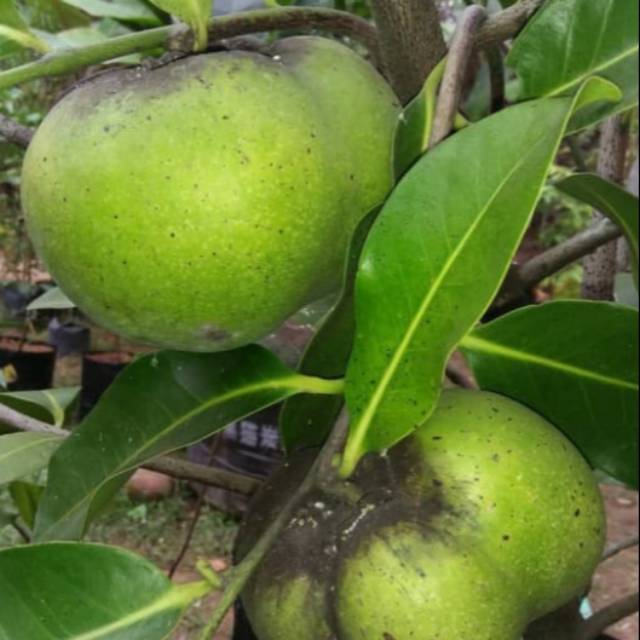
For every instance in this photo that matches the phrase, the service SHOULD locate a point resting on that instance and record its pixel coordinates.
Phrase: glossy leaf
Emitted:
(414, 127)
(611, 200)
(26, 498)
(15, 30)
(54, 406)
(568, 41)
(195, 13)
(72, 591)
(55, 298)
(159, 403)
(306, 420)
(436, 257)
(126, 10)
(576, 363)
(24, 453)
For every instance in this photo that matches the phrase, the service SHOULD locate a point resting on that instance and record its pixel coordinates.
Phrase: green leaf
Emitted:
(26, 498)
(14, 29)
(24, 453)
(126, 10)
(435, 259)
(159, 403)
(612, 201)
(72, 591)
(306, 420)
(195, 13)
(54, 406)
(570, 40)
(576, 363)
(415, 125)
(55, 298)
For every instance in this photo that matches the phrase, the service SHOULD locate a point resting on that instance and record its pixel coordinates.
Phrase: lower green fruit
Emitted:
(484, 520)
(199, 204)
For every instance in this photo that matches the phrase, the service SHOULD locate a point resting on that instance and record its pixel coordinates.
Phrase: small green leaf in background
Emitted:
(568, 41)
(14, 29)
(55, 406)
(26, 498)
(195, 13)
(159, 403)
(435, 259)
(612, 201)
(135, 11)
(306, 420)
(78, 591)
(582, 374)
(414, 127)
(24, 453)
(55, 298)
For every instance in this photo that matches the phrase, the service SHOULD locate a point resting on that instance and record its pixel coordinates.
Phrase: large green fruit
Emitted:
(199, 204)
(483, 521)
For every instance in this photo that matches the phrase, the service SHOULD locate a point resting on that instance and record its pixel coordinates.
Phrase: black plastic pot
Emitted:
(99, 370)
(68, 337)
(28, 366)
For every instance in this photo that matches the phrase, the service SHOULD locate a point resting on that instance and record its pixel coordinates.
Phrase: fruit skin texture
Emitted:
(199, 204)
(484, 520)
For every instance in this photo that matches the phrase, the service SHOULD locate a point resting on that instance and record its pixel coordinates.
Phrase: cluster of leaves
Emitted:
(423, 271)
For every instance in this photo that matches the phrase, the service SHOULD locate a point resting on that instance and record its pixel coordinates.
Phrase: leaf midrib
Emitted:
(482, 345)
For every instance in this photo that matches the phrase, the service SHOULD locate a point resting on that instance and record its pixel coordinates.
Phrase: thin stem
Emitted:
(169, 465)
(506, 24)
(324, 467)
(15, 132)
(455, 73)
(607, 617)
(178, 37)
(616, 549)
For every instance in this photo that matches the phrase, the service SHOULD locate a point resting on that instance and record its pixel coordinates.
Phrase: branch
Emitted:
(615, 549)
(506, 24)
(460, 52)
(601, 266)
(15, 132)
(323, 470)
(607, 617)
(178, 36)
(523, 278)
(411, 42)
(169, 465)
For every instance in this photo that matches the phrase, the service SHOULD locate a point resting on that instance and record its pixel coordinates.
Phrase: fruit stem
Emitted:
(322, 470)
(180, 37)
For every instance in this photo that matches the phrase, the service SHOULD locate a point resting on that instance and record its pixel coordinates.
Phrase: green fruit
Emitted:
(484, 520)
(199, 204)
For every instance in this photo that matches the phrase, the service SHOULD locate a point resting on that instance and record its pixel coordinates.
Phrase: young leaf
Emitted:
(195, 13)
(26, 498)
(436, 257)
(581, 374)
(72, 591)
(55, 298)
(14, 28)
(570, 40)
(24, 453)
(611, 200)
(414, 127)
(135, 11)
(306, 420)
(159, 403)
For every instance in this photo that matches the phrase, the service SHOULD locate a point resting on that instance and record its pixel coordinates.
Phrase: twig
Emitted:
(177, 36)
(615, 549)
(15, 132)
(601, 266)
(460, 51)
(169, 465)
(322, 470)
(506, 24)
(607, 617)
(22, 530)
(523, 278)
(459, 376)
